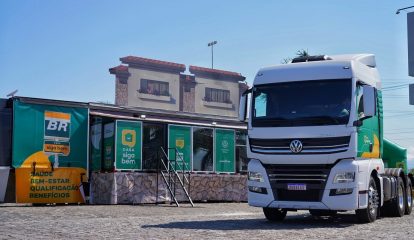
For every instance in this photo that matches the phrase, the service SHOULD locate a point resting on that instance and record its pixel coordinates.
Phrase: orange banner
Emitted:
(62, 185)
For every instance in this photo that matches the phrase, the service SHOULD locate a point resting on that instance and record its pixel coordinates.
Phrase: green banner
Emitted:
(179, 137)
(96, 145)
(225, 151)
(128, 145)
(50, 147)
(59, 132)
(109, 146)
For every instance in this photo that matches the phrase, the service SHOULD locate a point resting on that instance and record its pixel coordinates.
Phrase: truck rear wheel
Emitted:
(396, 207)
(409, 197)
(274, 214)
(370, 213)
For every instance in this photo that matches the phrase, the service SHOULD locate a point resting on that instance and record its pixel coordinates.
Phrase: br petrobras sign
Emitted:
(57, 126)
(57, 132)
(410, 40)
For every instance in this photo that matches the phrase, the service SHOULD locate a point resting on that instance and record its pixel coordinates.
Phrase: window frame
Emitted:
(208, 95)
(144, 85)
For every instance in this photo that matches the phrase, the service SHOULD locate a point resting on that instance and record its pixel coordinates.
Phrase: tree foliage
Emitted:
(299, 53)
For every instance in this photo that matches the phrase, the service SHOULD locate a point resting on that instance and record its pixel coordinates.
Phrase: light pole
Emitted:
(402, 9)
(211, 44)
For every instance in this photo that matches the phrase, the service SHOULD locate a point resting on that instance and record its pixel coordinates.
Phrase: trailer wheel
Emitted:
(409, 197)
(274, 214)
(370, 213)
(396, 207)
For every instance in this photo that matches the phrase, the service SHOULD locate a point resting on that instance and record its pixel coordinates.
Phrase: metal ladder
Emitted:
(175, 173)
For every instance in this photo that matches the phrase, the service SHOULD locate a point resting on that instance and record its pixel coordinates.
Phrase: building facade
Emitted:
(116, 154)
(155, 84)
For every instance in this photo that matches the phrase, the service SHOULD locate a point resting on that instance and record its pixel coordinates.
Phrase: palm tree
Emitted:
(299, 53)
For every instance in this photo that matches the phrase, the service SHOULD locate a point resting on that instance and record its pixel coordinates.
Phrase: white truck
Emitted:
(315, 141)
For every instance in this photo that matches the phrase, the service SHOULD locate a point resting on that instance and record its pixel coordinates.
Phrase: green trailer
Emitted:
(394, 156)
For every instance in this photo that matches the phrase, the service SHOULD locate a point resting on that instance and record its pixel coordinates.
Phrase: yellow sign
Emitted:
(37, 182)
(179, 143)
(129, 138)
(63, 185)
(57, 147)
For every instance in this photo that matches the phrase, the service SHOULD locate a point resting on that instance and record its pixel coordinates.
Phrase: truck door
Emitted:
(368, 133)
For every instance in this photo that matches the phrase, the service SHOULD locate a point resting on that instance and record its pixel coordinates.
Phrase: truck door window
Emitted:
(360, 100)
(260, 104)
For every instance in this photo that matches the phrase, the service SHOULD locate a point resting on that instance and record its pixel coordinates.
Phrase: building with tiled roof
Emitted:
(151, 83)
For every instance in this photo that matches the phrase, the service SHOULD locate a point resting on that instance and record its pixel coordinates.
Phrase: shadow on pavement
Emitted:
(304, 221)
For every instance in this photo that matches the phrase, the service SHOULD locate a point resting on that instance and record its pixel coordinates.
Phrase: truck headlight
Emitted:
(344, 177)
(255, 176)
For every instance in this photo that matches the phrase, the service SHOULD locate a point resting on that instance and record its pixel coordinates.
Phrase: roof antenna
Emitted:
(10, 95)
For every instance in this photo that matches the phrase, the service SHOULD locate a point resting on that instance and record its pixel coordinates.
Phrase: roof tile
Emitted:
(235, 75)
(141, 60)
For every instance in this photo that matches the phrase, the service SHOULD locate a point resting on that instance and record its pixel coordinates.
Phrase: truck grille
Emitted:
(314, 176)
(309, 145)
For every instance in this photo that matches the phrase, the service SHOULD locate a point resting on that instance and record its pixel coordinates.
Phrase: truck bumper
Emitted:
(328, 201)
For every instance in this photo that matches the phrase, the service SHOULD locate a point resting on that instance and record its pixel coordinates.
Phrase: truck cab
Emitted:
(315, 138)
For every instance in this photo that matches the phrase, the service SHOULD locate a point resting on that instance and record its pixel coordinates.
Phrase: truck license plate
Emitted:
(296, 186)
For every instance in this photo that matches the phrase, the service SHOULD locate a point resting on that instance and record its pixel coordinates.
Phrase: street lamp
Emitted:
(401, 9)
(211, 44)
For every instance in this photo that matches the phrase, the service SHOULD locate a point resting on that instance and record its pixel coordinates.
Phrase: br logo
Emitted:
(129, 137)
(57, 126)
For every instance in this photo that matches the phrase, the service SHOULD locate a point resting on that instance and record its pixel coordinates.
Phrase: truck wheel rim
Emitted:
(400, 197)
(373, 200)
(409, 197)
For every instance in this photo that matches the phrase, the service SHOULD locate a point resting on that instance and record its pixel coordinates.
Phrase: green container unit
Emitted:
(109, 147)
(95, 145)
(394, 156)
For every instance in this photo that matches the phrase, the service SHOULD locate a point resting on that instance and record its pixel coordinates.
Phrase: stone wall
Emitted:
(121, 91)
(139, 188)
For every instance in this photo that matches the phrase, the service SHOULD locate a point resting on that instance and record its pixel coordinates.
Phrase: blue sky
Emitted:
(63, 49)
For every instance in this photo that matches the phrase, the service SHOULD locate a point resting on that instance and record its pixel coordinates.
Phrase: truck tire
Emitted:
(274, 214)
(320, 213)
(396, 207)
(370, 213)
(409, 197)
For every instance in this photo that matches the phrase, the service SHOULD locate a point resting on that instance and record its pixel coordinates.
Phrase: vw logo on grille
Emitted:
(296, 146)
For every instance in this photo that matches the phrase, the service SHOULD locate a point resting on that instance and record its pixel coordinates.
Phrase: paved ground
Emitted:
(205, 221)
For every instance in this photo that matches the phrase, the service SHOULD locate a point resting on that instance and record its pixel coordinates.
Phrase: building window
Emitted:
(202, 149)
(217, 95)
(153, 87)
(241, 151)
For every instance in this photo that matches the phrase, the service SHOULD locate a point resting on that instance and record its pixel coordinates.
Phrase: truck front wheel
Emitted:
(370, 213)
(274, 214)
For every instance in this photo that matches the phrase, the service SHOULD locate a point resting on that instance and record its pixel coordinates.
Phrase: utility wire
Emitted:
(406, 132)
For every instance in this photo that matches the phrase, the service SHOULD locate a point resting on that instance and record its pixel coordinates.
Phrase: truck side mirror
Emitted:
(369, 101)
(243, 107)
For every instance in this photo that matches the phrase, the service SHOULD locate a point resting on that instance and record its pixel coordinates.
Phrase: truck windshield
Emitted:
(304, 103)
